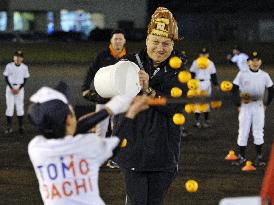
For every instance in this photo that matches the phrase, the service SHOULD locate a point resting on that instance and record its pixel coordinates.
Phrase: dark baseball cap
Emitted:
(254, 55)
(237, 47)
(49, 108)
(19, 54)
(204, 51)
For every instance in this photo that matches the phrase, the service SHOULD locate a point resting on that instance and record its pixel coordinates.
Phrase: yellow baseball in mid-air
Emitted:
(202, 93)
(176, 92)
(193, 84)
(191, 93)
(189, 108)
(184, 76)
(226, 86)
(124, 143)
(179, 119)
(216, 104)
(191, 185)
(202, 62)
(175, 62)
(202, 107)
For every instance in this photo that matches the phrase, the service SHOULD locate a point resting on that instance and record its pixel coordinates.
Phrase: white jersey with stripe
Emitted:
(241, 61)
(253, 83)
(203, 74)
(16, 74)
(67, 169)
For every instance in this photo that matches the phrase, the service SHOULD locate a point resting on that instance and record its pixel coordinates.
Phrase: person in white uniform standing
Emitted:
(239, 58)
(204, 70)
(66, 158)
(248, 93)
(16, 74)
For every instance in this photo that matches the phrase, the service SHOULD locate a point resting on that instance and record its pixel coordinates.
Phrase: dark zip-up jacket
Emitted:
(153, 140)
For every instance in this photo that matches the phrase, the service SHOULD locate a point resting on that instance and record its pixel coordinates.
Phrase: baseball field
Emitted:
(202, 152)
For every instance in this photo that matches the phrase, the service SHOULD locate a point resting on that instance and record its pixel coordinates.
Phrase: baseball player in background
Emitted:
(112, 55)
(248, 93)
(204, 70)
(239, 58)
(66, 160)
(16, 74)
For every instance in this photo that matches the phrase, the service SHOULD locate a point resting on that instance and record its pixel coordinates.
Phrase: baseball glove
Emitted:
(93, 96)
(245, 98)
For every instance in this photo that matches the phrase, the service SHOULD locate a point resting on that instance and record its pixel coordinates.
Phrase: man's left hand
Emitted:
(144, 80)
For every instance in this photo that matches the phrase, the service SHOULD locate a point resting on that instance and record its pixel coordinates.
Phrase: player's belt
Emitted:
(14, 84)
(202, 80)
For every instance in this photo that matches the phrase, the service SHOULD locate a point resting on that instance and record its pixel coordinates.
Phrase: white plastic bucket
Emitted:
(120, 78)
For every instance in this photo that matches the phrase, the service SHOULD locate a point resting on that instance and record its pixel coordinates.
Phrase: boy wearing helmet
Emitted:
(65, 158)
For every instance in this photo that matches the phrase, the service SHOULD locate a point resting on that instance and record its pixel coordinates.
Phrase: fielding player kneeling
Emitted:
(66, 164)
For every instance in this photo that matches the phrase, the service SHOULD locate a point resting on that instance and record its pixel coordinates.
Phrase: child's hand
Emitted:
(139, 104)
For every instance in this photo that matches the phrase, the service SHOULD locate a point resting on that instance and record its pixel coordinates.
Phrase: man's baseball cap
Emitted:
(254, 55)
(204, 51)
(49, 108)
(19, 54)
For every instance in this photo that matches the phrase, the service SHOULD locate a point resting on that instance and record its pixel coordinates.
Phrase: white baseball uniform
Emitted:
(253, 83)
(67, 169)
(241, 61)
(203, 76)
(16, 75)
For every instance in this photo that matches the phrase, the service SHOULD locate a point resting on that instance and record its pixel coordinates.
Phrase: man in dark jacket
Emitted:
(112, 55)
(149, 162)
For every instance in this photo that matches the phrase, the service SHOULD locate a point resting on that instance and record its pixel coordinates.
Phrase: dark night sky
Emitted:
(215, 19)
(204, 6)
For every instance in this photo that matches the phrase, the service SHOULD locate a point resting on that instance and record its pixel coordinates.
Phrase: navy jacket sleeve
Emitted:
(88, 81)
(87, 123)
(270, 95)
(93, 68)
(235, 95)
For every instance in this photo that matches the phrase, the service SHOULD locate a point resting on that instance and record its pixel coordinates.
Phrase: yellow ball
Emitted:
(176, 92)
(184, 76)
(191, 93)
(189, 108)
(202, 62)
(203, 107)
(191, 186)
(226, 86)
(175, 62)
(202, 93)
(216, 104)
(179, 119)
(124, 143)
(193, 84)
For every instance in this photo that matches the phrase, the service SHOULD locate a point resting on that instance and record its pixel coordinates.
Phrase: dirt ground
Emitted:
(202, 153)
